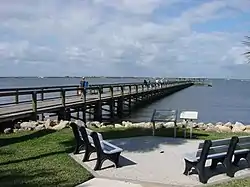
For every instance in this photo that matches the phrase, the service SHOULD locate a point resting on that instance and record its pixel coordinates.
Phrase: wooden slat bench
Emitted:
(242, 150)
(105, 151)
(218, 151)
(93, 142)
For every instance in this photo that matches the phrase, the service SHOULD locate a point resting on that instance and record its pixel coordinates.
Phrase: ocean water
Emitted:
(227, 100)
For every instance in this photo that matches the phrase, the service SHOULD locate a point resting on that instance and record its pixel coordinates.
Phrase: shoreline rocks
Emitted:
(220, 127)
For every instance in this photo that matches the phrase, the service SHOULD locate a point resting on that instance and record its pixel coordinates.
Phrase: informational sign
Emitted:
(190, 115)
(164, 115)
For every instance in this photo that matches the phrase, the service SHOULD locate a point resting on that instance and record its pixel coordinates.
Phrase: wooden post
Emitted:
(84, 90)
(129, 99)
(99, 92)
(34, 104)
(98, 106)
(17, 97)
(112, 104)
(42, 95)
(84, 113)
(153, 128)
(129, 90)
(122, 91)
(111, 91)
(77, 114)
(136, 95)
(63, 97)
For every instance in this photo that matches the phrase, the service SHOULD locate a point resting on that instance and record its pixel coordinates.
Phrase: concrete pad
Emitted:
(98, 182)
(154, 160)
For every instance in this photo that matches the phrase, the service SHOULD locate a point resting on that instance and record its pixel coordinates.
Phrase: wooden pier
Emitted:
(106, 102)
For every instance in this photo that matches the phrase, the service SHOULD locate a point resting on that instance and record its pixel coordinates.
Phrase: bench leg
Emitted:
(230, 170)
(77, 149)
(248, 159)
(188, 166)
(201, 172)
(99, 163)
(115, 159)
(88, 151)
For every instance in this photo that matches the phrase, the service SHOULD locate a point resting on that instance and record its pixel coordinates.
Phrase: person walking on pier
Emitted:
(82, 85)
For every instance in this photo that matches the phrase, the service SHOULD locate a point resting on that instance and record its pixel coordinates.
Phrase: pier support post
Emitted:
(98, 107)
(120, 104)
(34, 105)
(129, 100)
(112, 104)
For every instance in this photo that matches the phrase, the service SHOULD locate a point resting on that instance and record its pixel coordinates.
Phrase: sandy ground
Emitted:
(154, 160)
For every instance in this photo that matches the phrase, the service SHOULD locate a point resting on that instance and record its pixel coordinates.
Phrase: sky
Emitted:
(169, 38)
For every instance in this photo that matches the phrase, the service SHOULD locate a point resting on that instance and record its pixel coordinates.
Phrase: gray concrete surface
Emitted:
(154, 160)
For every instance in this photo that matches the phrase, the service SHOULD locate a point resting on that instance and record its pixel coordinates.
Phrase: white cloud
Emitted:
(117, 37)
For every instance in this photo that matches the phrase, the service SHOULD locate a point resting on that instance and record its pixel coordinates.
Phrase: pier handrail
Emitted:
(64, 90)
(36, 102)
(73, 86)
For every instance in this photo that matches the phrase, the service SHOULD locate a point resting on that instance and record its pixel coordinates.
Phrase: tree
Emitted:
(247, 43)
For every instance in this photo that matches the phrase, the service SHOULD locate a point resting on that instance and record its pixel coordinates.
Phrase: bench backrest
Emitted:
(244, 143)
(218, 146)
(89, 131)
(97, 143)
(76, 133)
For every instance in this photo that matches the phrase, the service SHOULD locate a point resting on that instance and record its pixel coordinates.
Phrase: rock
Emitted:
(40, 127)
(179, 124)
(48, 124)
(7, 130)
(142, 125)
(211, 129)
(222, 128)
(147, 125)
(247, 131)
(93, 124)
(195, 125)
(219, 123)
(169, 124)
(247, 127)
(61, 125)
(238, 127)
(201, 124)
(28, 125)
(127, 124)
(210, 125)
(54, 123)
(110, 126)
(15, 130)
(118, 126)
(228, 124)
(79, 123)
(17, 125)
(159, 125)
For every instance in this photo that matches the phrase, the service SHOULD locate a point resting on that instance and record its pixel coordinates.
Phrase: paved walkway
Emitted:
(152, 161)
(100, 182)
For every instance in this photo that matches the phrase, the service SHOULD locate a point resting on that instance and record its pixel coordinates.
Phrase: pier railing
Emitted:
(14, 96)
(39, 100)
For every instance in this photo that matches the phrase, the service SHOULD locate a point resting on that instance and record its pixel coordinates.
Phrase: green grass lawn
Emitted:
(40, 158)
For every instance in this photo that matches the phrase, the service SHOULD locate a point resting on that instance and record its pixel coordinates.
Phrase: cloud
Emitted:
(119, 38)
